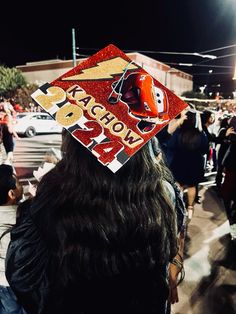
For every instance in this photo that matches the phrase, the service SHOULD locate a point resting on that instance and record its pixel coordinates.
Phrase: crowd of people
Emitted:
(8, 112)
(220, 129)
(99, 242)
(199, 142)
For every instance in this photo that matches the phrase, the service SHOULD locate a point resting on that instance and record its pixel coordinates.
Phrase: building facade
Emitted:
(46, 71)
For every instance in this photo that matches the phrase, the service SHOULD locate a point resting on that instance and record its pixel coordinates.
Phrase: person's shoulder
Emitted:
(23, 210)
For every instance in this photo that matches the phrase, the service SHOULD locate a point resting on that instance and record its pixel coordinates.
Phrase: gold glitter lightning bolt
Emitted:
(103, 70)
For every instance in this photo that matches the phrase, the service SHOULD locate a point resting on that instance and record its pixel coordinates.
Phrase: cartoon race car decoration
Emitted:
(144, 99)
(110, 105)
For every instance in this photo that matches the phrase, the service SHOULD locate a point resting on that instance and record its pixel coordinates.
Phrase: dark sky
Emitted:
(41, 30)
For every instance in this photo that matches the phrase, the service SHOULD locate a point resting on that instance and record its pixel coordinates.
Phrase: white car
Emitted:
(31, 123)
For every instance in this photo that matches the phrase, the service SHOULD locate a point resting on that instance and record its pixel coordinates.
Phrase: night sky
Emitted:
(45, 31)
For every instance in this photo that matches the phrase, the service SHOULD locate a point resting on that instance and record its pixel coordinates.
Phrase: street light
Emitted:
(212, 57)
(183, 64)
(219, 57)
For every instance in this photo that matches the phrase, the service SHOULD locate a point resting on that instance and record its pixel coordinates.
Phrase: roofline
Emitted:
(61, 64)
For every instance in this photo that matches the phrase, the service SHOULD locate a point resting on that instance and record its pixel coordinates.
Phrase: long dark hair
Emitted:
(190, 135)
(97, 224)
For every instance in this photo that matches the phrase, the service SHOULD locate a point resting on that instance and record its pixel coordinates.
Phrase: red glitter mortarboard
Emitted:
(110, 105)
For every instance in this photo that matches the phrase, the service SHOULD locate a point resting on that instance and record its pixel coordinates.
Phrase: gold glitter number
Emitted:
(54, 95)
(69, 114)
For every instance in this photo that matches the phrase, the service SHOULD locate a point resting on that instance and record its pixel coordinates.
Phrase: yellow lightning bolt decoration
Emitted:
(103, 70)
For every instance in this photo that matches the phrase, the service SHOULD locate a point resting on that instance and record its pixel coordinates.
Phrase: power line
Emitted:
(217, 49)
(196, 54)
(199, 65)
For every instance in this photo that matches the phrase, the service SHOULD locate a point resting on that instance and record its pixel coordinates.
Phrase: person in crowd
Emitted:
(165, 134)
(188, 146)
(18, 108)
(223, 144)
(8, 108)
(10, 188)
(51, 158)
(8, 136)
(96, 241)
(208, 120)
(228, 190)
(11, 192)
(2, 115)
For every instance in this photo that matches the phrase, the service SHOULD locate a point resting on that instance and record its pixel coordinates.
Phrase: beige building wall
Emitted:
(40, 72)
(174, 79)
(179, 82)
(47, 71)
(43, 76)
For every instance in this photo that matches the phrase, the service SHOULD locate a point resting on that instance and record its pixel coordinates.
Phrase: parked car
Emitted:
(31, 123)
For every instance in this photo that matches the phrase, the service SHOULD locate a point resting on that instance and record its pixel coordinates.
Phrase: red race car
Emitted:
(144, 99)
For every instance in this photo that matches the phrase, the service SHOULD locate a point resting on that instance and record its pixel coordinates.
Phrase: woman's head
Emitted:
(208, 117)
(190, 121)
(10, 188)
(190, 131)
(224, 123)
(85, 209)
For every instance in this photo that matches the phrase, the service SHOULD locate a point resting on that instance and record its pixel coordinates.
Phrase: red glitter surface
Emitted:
(100, 89)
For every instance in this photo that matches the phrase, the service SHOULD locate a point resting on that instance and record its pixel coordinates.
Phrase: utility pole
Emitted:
(73, 47)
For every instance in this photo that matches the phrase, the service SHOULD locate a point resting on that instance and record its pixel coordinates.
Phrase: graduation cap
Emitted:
(110, 105)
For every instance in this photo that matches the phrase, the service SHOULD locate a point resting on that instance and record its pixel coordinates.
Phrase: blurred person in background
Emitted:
(223, 144)
(11, 192)
(165, 134)
(208, 120)
(8, 136)
(189, 146)
(228, 190)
